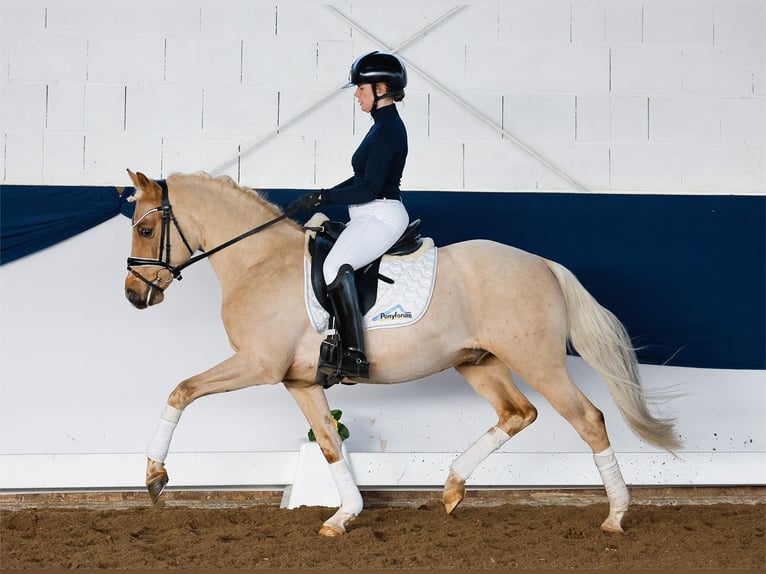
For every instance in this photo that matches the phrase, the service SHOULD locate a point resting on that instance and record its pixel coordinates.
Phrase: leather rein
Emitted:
(163, 259)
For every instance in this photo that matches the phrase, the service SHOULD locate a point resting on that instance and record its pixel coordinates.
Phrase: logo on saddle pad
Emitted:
(396, 313)
(399, 303)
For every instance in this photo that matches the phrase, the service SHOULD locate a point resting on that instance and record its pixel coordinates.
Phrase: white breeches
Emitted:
(373, 228)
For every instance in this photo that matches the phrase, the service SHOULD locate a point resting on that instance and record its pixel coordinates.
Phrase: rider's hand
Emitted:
(306, 202)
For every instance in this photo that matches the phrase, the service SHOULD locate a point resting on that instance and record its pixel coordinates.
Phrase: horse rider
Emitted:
(377, 217)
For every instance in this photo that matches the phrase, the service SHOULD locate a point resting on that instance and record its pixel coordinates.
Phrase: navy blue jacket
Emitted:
(378, 162)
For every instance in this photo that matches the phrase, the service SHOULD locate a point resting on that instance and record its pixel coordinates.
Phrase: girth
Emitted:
(367, 277)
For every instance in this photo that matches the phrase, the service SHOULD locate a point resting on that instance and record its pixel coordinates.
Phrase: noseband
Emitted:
(163, 260)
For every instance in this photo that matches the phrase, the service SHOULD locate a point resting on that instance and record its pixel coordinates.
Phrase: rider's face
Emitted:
(364, 96)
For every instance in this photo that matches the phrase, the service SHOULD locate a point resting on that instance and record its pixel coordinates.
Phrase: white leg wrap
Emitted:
(160, 443)
(472, 457)
(350, 497)
(619, 498)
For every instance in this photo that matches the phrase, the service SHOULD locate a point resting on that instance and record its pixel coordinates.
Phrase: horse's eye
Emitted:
(145, 231)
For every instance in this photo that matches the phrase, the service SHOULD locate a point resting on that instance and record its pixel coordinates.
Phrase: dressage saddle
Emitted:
(367, 277)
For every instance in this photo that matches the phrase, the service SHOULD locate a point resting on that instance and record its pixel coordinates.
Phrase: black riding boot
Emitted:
(348, 320)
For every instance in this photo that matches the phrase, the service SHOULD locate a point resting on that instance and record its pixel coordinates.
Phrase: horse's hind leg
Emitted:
(557, 387)
(493, 381)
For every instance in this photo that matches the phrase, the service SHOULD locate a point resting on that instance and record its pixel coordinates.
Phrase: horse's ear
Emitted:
(144, 185)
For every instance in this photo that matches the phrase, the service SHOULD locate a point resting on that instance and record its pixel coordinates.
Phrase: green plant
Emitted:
(342, 429)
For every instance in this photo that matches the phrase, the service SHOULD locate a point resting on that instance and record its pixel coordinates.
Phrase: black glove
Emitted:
(306, 202)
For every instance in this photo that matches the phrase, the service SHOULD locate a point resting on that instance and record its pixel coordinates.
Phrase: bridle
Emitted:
(163, 259)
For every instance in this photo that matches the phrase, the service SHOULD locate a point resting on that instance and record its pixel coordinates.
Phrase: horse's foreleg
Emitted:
(313, 402)
(493, 381)
(228, 375)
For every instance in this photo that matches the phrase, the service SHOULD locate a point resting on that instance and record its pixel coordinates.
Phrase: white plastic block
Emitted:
(188, 154)
(66, 105)
(117, 16)
(63, 158)
(585, 163)
(279, 63)
(535, 22)
(240, 19)
(477, 22)
(333, 63)
(498, 166)
(333, 160)
(107, 156)
(434, 164)
(740, 24)
(624, 23)
(22, 106)
(677, 23)
(284, 161)
(333, 118)
(573, 69)
(501, 68)
(23, 158)
(46, 56)
(298, 20)
(206, 60)
(452, 120)
(684, 119)
(540, 117)
(240, 110)
(708, 71)
(593, 118)
(104, 108)
(646, 70)
(313, 484)
(445, 62)
(646, 167)
(629, 119)
(126, 59)
(164, 110)
(589, 23)
(743, 121)
(724, 169)
(28, 15)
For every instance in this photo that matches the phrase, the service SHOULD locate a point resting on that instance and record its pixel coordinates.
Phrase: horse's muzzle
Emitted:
(144, 299)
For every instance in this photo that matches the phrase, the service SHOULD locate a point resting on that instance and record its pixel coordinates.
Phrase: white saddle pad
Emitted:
(399, 304)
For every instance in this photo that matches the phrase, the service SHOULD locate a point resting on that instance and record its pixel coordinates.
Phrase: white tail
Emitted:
(602, 341)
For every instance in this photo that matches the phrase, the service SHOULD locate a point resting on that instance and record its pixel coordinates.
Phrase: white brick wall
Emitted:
(635, 95)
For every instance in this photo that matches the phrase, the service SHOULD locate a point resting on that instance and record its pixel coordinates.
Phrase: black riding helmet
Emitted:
(379, 67)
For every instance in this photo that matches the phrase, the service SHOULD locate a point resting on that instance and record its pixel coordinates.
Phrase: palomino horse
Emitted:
(494, 309)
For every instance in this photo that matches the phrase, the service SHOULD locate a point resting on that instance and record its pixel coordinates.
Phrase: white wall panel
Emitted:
(734, 24)
(674, 23)
(24, 157)
(199, 69)
(46, 57)
(743, 121)
(689, 120)
(186, 153)
(63, 158)
(66, 107)
(646, 167)
(239, 110)
(717, 72)
(164, 109)
(629, 119)
(23, 106)
(105, 108)
(207, 60)
(646, 70)
(126, 59)
(724, 168)
(107, 156)
(499, 160)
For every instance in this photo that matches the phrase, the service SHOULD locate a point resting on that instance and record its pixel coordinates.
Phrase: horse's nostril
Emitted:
(132, 296)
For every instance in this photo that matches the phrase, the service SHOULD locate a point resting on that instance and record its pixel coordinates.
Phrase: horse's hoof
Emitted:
(331, 530)
(454, 491)
(612, 524)
(156, 487)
